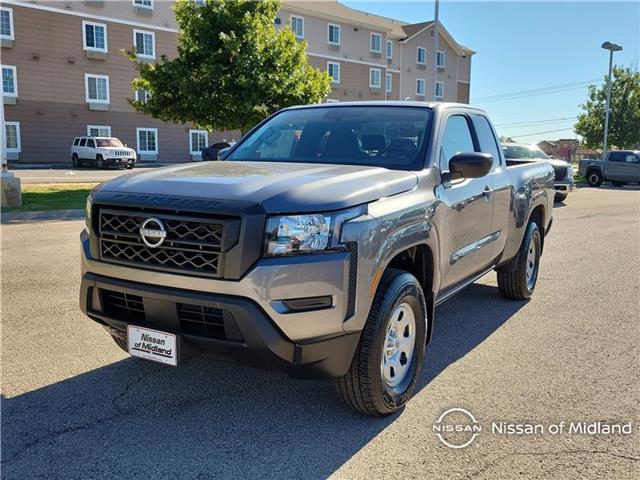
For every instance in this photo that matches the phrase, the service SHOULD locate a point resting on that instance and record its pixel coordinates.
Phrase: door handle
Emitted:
(486, 193)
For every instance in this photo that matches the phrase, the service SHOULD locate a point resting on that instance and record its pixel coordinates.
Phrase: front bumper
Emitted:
(308, 343)
(248, 335)
(564, 187)
(120, 161)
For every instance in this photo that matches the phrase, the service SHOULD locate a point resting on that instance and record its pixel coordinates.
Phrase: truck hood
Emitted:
(279, 187)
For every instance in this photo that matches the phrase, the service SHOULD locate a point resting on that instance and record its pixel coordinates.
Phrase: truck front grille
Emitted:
(192, 245)
(561, 173)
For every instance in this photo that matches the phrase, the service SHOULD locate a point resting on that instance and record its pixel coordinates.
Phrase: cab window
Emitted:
(457, 138)
(486, 138)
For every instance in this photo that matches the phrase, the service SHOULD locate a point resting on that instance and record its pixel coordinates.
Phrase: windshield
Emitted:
(524, 151)
(390, 137)
(109, 142)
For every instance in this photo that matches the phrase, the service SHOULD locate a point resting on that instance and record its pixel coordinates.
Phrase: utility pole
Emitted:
(435, 48)
(612, 47)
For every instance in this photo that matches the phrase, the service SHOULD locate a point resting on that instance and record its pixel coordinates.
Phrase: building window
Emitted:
(389, 49)
(95, 36)
(334, 71)
(388, 83)
(143, 3)
(197, 141)
(297, 26)
(334, 34)
(12, 136)
(9, 81)
(6, 23)
(440, 59)
(376, 43)
(98, 131)
(142, 95)
(145, 43)
(439, 90)
(375, 77)
(96, 88)
(421, 56)
(147, 140)
(420, 87)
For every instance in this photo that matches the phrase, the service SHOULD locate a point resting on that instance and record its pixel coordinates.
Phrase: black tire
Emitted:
(560, 197)
(618, 184)
(100, 162)
(75, 161)
(513, 280)
(121, 342)
(363, 388)
(594, 178)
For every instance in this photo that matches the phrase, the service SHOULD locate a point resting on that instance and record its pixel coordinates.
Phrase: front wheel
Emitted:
(385, 367)
(517, 279)
(594, 177)
(100, 162)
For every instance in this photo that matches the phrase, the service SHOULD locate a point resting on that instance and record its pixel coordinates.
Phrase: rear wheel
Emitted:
(385, 367)
(517, 279)
(75, 161)
(594, 177)
(100, 162)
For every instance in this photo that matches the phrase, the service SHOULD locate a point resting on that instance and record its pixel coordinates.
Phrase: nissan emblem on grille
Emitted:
(152, 232)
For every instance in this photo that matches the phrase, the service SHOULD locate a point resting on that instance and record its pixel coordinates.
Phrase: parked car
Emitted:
(321, 245)
(212, 152)
(619, 167)
(102, 152)
(519, 152)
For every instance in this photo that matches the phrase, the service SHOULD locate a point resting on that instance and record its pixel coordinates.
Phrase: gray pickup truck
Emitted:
(619, 167)
(321, 244)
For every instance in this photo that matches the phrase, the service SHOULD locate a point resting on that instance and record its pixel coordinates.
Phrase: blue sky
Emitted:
(522, 46)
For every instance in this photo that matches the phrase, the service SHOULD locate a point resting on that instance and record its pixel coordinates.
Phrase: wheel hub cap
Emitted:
(399, 345)
(531, 264)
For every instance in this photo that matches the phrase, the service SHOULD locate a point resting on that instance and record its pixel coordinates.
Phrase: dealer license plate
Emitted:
(152, 345)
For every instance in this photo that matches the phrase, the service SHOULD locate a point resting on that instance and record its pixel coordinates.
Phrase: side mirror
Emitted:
(223, 153)
(469, 165)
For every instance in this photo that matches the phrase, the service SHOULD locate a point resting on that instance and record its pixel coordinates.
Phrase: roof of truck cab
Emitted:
(390, 103)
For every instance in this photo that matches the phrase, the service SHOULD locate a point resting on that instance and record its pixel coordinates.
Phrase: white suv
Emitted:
(101, 151)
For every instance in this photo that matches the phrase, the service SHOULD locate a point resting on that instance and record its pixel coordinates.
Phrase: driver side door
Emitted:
(466, 225)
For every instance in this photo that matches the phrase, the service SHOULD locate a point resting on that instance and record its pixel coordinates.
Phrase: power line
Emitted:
(534, 94)
(535, 122)
(537, 90)
(541, 133)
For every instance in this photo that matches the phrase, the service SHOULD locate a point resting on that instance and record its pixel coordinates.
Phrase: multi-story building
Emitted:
(63, 73)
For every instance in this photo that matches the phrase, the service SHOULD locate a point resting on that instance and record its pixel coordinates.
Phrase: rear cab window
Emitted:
(83, 142)
(76, 141)
(486, 138)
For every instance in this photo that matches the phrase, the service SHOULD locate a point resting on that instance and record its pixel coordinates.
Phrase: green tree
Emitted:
(232, 70)
(624, 119)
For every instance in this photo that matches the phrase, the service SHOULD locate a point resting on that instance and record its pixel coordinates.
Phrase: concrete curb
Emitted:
(51, 215)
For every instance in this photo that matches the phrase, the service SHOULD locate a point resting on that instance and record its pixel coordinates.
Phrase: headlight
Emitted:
(89, 204)
(292, 234)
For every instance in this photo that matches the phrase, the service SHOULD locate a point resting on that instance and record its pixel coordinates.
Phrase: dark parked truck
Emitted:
(522, 153)
(321, 244)
(619, 167)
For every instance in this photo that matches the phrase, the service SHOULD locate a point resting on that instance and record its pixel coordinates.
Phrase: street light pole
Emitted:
(612, 47)
(435, 48)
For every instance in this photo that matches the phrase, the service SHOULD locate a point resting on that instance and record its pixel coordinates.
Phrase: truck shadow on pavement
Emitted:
(134, 419)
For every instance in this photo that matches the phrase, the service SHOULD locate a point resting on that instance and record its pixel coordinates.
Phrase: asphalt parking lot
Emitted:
(74, 175)
(75, 406)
